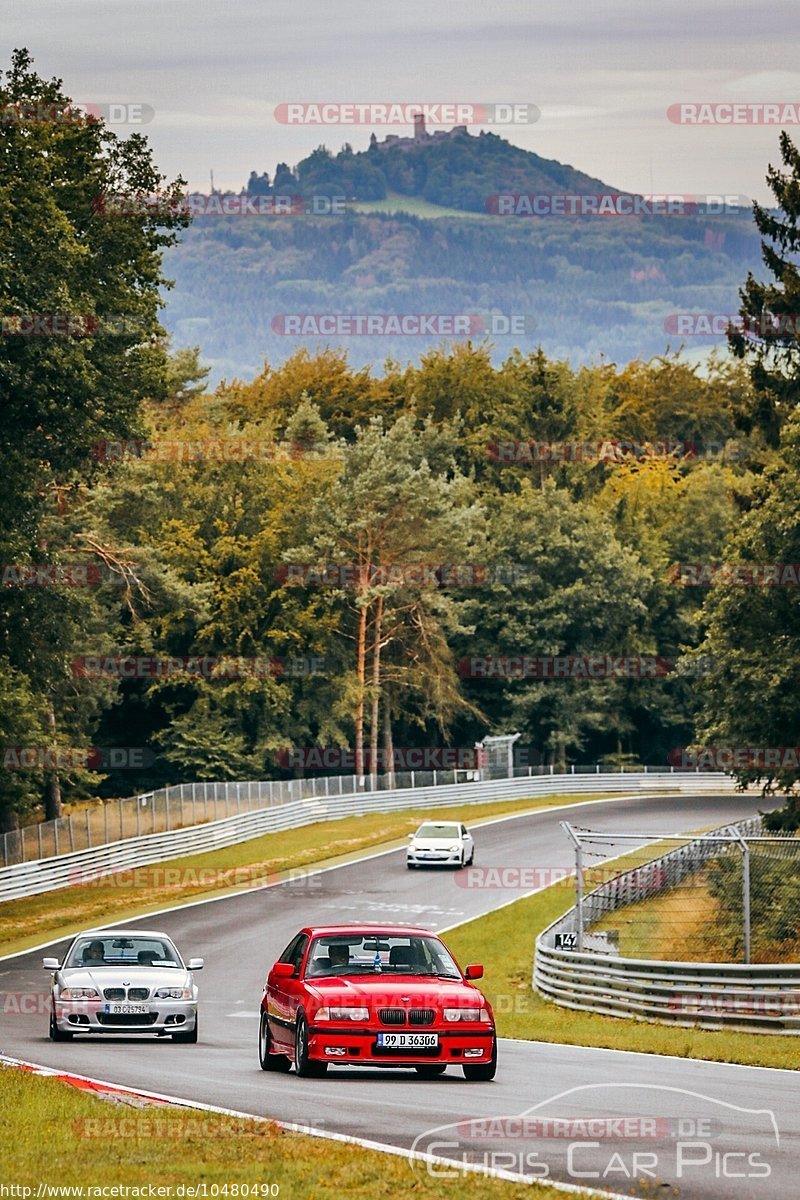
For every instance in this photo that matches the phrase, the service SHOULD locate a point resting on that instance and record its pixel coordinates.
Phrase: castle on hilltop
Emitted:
(421, 137)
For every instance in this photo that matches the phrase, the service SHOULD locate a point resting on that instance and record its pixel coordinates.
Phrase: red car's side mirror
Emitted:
(283, 970)
(475, 971)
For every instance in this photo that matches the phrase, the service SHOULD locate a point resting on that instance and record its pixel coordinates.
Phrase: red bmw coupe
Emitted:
(374, 996)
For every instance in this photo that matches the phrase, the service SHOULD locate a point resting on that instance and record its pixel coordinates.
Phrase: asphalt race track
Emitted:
(704, 1129)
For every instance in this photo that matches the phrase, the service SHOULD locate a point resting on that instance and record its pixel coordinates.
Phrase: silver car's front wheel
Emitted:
(56, 1034)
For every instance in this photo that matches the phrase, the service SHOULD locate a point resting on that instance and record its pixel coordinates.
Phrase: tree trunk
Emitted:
(361, 657)
(388, 743)
(374, 729)
(52, 786)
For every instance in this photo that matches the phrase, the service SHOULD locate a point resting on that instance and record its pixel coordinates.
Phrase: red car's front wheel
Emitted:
(304, 1066)
(482, 1072)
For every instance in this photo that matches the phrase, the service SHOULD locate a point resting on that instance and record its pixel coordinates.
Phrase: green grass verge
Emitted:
(56, 1135)
(30, 921)
(504, 940)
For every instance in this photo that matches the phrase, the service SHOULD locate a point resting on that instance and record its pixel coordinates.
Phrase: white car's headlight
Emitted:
(79, 994)
(176, 993)
(453, 849)
(465, 1014)
(342, 1014)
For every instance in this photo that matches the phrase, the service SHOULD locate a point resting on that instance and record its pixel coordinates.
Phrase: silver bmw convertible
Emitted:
(123, 981)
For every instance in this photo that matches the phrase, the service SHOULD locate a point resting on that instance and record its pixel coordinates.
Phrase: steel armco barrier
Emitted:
(759, 998)
(49, 874)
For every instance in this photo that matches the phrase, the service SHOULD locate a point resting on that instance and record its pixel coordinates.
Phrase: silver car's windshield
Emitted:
(385, 953)
(438, 829)
(114, 950)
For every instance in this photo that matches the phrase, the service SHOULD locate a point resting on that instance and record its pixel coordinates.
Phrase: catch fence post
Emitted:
(565, 825)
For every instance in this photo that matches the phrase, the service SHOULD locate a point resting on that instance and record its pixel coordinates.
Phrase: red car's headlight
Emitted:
(465, 1014)
(342, 1014)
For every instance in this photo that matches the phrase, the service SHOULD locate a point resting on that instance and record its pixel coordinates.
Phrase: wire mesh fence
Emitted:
(732, 895)
(196, 803)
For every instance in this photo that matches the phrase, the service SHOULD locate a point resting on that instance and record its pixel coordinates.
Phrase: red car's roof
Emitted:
(367, 927)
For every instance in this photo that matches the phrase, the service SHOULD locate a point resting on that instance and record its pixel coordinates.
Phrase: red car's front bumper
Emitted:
(360, 1045)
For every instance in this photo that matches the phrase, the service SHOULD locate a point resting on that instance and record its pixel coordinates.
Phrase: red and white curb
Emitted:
(121, 1094)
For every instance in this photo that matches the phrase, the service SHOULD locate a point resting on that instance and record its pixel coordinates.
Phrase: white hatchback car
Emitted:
(123, 981)
(446, 843)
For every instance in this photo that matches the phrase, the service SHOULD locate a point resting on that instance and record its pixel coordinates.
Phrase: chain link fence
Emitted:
(187, 804)
(732, 895)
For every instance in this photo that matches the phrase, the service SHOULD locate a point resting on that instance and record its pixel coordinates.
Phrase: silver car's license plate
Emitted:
(128, 1009)
(408, 1041)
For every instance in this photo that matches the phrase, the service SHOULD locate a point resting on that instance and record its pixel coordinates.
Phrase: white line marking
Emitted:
(328, 1135)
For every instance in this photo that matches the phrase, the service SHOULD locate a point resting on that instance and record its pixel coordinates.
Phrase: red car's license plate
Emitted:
(408, 1041)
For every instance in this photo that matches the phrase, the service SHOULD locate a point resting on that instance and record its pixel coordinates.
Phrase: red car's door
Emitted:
(284, 995)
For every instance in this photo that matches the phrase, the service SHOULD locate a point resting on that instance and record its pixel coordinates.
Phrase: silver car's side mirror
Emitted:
(195, 964)
(50, 964)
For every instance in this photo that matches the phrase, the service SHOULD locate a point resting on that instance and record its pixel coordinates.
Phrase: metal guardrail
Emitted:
(758, 998)
(49, 874)
(185, 804)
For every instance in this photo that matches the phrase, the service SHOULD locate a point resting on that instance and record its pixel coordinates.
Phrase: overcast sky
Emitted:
(603, 75)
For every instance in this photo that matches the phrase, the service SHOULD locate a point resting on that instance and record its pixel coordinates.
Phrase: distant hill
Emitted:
(580, 287)
(449, 168)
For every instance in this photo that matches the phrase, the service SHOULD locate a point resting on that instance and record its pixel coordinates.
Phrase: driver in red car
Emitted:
(339, 954)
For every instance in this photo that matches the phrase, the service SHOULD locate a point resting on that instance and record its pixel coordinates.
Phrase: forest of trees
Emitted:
(153, 519)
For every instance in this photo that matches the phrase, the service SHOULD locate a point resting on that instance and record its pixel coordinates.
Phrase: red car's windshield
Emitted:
(369, 953)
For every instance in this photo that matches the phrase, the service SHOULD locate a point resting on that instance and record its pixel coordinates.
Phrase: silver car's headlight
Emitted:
(78, 994)
(174, 993)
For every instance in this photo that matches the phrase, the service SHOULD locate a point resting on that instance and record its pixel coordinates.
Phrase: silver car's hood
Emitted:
(129, 976)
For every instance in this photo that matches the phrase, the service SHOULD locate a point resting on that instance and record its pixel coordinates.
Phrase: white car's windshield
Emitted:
(113, 950)
(369, 953)
(438, 829)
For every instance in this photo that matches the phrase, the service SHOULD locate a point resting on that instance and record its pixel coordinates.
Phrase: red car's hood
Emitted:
(373, 990)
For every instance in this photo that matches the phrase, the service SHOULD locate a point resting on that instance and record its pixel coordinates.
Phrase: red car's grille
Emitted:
(399, 1016)
(392, 1016)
